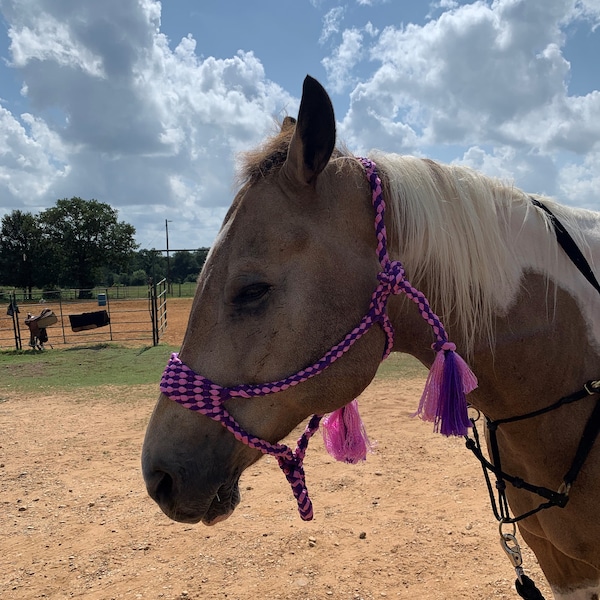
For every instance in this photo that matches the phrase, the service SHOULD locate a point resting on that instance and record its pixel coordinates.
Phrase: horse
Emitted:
(293, 270)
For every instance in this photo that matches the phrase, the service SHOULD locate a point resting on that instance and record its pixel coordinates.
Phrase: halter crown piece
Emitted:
(443, 401)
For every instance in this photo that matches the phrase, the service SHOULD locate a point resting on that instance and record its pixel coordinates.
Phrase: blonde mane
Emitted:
(465, 238)
(452, 234)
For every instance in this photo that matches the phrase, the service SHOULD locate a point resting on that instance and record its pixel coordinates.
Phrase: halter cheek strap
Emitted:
(443, 400)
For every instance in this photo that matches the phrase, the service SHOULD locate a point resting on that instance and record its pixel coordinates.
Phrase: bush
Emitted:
(138, 277)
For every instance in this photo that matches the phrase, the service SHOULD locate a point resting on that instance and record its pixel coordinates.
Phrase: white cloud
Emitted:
(126, 119)
(345, 57)
(588, 10)
(532, 171)
(331, 23)
(32, 157)
(480, 75)
(579, 181)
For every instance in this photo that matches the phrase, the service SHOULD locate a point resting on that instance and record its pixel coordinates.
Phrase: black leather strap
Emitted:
(567, 243)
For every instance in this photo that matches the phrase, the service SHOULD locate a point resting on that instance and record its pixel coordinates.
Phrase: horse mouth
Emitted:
(211, 506)
(223, 504)
(220, 507)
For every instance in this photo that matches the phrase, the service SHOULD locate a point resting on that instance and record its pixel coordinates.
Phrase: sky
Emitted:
(145, 105)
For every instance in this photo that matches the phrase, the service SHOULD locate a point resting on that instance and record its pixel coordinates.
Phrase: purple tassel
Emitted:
(344, 434)
(444, 401)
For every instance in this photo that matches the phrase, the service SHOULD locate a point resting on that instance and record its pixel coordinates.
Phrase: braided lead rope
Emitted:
(402, 285)
(200, 394)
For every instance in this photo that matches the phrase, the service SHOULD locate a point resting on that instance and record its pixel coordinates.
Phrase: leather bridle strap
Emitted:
(558, 497)
(567, 243)
(592, 427)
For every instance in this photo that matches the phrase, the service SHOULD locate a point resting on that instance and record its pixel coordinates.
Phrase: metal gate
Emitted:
(13, 312)
(158, 309)
(123, 320)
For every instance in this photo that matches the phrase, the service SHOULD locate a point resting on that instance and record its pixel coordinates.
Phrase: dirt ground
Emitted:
(413, 521)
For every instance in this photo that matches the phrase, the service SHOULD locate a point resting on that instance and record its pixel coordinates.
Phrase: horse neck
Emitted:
(450, 227)
(532, 325)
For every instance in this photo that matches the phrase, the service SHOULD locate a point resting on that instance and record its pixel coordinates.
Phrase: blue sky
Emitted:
(145, 105)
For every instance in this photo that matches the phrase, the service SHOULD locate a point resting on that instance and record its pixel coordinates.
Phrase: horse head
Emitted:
(290, 273)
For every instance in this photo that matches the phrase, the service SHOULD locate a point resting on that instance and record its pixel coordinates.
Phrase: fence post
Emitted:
(15, 320)
(153, 311)
(108, 311)
(62, 316)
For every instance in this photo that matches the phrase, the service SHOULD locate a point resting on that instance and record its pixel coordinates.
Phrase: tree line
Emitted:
(81, 244)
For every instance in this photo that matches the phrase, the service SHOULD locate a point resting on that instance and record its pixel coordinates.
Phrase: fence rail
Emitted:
(101, 318)
(117, 292)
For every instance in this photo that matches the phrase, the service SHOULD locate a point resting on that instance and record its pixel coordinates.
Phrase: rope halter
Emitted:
(197, 393)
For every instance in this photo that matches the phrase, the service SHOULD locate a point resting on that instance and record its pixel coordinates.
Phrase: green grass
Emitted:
(66, 369)
(401, 366)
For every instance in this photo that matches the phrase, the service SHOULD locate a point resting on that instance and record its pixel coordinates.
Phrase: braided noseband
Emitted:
(199, 394)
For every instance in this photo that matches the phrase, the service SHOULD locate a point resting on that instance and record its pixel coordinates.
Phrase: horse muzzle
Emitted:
(189, 464)
(187, 502)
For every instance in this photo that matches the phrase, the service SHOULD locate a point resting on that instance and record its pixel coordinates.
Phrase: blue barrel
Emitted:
(101, 299)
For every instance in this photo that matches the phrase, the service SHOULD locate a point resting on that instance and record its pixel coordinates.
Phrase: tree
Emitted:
(25, 260)
(183, 264)
(150, 261)
(138, 277)
(90, 237)
(201, 255)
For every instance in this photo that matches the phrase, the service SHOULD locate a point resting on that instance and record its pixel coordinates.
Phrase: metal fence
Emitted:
(97, 318)
(158, 307)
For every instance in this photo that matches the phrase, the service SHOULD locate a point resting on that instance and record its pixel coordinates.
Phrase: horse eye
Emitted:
(251, 293)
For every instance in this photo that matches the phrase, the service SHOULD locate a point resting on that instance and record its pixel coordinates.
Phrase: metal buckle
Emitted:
(564, 489)
(475, 411)
(509, 544)
(592, 387)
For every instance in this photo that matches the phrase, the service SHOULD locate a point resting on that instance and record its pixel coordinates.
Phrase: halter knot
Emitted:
(392, 277)
(444, 345)
(193, 390)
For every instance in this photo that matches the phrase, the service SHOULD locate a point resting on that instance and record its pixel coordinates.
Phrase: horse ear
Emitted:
(314, 138)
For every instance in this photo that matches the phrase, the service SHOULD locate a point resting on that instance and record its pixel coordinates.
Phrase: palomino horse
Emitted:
(293, 270)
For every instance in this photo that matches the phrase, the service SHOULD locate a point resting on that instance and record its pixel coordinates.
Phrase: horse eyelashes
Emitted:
(251, 293)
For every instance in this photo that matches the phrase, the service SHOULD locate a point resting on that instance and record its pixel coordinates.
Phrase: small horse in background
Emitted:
(292, 271)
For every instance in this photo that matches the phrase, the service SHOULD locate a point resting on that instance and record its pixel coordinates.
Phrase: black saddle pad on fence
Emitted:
(90, 320)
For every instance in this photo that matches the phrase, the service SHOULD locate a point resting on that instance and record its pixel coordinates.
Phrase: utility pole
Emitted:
(169, 287)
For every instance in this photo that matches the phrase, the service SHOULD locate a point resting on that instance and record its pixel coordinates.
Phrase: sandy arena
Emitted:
(413, 521)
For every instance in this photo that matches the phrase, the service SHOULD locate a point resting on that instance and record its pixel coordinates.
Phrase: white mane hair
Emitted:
(468, 238)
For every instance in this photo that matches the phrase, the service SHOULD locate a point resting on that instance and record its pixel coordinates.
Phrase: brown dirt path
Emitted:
(413, 521)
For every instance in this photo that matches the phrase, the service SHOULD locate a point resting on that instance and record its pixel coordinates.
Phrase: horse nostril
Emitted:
(165, 487)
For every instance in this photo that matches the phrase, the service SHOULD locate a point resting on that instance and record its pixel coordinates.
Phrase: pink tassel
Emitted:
(428, 406)
(444, 401)
(344, 434)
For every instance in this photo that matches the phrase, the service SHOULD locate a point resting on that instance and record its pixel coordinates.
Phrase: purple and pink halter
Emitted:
(443, 401)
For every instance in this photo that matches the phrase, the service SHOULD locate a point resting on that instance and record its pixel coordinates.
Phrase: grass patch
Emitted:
(401, 366)
(70, 368)
(29, 371)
